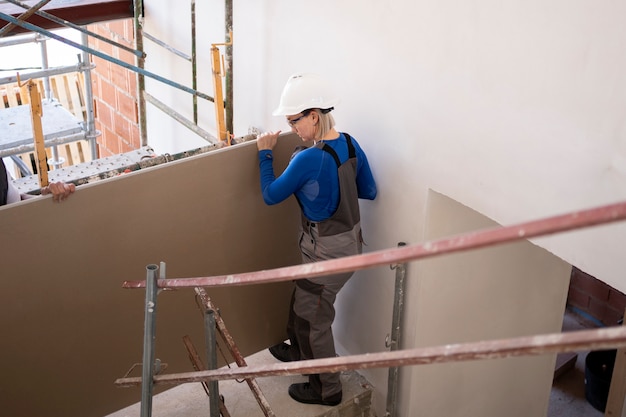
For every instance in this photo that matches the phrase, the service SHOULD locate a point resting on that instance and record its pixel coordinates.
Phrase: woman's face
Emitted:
(304, 124)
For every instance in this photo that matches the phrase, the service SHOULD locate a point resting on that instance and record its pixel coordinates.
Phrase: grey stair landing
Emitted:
(190, 400)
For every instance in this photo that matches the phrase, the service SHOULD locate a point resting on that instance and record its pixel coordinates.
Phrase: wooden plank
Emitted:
(208, 305)
(79, 12)
(199, 366)
(13, 95)
(75, 85)
(79, 151)
(67, 155)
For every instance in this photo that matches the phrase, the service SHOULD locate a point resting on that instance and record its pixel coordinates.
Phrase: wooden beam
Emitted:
(199, 366)
(79, 12)
(24, 16)
(234, 351)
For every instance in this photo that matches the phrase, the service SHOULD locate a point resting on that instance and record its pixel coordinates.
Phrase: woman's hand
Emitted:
(59, 190)
(267, 140)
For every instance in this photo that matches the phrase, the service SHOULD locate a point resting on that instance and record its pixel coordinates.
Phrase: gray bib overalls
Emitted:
(312, 310)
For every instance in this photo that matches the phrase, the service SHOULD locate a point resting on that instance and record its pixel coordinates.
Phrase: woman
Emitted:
(327, 179)
(9, 194)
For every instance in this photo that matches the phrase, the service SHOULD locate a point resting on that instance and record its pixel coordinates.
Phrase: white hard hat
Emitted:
(305, 91)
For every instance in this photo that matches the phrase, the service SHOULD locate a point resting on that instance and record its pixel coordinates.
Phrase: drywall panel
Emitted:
(509, 290)
(69, 330)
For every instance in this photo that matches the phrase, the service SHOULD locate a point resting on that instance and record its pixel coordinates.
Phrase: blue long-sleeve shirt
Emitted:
(312, 176)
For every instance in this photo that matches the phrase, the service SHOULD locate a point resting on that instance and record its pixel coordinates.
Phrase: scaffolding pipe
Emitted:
(141, 80)
(396, 336)
(48, 73)
(149, 337)
(56, 161)
(194, 62)
(62, 22)
(179, 118)
(106, 57)
(229, 66)
(28, 13)
(20, 40)
(165, 46)
(43, 49)
(596, 339)
(49, 142)
(211, 350)
(472, 240)
(90, 119)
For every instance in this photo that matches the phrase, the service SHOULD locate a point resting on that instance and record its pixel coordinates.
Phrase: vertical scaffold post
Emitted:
(149, 337)
(210, 335)
(394, 342)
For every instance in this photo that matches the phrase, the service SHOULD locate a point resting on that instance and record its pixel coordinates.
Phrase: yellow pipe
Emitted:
(36, 112)
(218, 74)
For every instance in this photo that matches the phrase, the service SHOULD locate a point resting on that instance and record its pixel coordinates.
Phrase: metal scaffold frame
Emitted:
(90, 132)
(213, 324)
(224, 113)
(603, 338)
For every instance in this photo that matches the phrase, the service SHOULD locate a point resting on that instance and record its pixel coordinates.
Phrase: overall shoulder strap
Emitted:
(351, 151)
(325, 147)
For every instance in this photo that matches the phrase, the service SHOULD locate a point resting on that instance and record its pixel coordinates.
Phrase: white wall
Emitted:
(514, 109)
(172, 25)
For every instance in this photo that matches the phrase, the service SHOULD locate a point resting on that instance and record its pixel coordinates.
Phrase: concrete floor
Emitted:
(190, 400)
(567, 398)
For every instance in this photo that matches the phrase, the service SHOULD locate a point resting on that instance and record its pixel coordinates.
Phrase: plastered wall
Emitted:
(69, 330)
(512, 290)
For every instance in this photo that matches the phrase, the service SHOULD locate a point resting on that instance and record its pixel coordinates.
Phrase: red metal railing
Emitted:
(603, 338)
(466, 241)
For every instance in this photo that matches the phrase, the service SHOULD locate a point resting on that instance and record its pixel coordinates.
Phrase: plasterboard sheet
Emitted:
(70, 330)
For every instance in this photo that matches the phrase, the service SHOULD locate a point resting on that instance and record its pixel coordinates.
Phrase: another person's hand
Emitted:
(59, 190)
(267, 140)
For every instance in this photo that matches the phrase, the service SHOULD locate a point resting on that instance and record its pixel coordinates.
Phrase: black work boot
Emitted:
(304, 393)
(284, 352)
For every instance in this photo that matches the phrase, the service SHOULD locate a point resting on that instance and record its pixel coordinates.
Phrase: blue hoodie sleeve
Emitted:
(276, 190)
(366, 185)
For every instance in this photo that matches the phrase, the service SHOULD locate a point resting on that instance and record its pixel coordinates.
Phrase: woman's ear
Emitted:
(316, 117)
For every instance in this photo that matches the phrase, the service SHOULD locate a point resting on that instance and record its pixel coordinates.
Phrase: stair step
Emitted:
(190, 400)
(564, 362)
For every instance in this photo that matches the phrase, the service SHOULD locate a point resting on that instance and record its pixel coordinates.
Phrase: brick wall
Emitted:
(596, 298)
(115, 90)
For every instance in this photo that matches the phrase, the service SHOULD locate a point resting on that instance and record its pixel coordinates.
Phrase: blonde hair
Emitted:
(325, 123)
